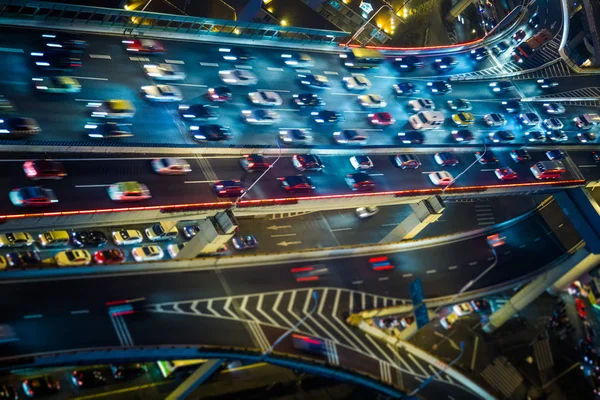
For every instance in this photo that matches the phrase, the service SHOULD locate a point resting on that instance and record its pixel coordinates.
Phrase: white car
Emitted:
(357, 82)
(441, 178)
(421, 105)
(462, 309)
(529, 119)
(157, 232)
(147, 253)
(553, 124)
(162, 93)
(73, 258)
(170, 166)
(238, 77)
(494, 119)
(298, 60)
(265, 98)
(366, 212)
(126, 237)
(350, 136)
(554, 108)
(260, 117)
(362, 163)
(295, 135)
(164, 72)
(174, 249)
(372, 101)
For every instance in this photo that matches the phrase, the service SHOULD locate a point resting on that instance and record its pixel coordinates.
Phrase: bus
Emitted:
(360, 58)
(168, 368)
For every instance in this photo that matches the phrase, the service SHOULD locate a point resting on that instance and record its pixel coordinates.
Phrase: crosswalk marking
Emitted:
(399, 357)
(259, 336)
(414, 360)
(385, 372)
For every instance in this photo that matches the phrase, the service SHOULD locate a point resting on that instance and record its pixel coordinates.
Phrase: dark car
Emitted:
(460, 105)
(219, 94)
(307, 162)
(407, 161)
(502, 87)
(315, 81)
(327, 117)
(235, 54)
(296, 183)
(486, 157)
(210, 132)
(20, 127)
(229, 188)
(411, 137)
(308, 100)
(500, 48)
(520, 155)
(32, 196)
(57, 60)
(190, 231)
(41, 386)
(405, 88)
(586, 137)
(89, 238)
(109, 130)
(254, 162)
(198, 112)
(557, 136)
(535, 136)
(63, 40)
(88, 378)
(360, 181)
(445, 63)
(547, 83)
(246, 242)
(8, 392)
(109, 256)
(462, 135)
(519, 36)
(534, 21)
(479, 54)
(44, 169)
(554, 155)
(128, 370)
(511, 106)
(445, 159)
(408, 62)
(439, 87)
(502, 136)
(23, 258)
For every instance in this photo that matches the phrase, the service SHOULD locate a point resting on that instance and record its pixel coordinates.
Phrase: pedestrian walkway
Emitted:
(485, 214)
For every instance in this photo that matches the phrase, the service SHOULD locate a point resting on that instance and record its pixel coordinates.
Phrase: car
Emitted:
(441, 178)
(45, 385)
(260, 117)
(411, 137)
(170, 166)
(421, 105)
(245, 242)
(160, 232)
(147, 253)
(554, 155)
(128, 191)
(23, 258)
(63, 40)
(124, 237)
(314, 81)
(486, 157)
(405, 88)
(89, 238)
(113, 109)
(372, 101)
(143, 46)
(445, 159)
(460, 105)
(57, 60)
(554, 108)
(586, 137)
(596, 156)
(220, 94)
(519, 36)
(408, 62)
(327, 117)
(198, 112)
(127, 370)
(494, 119)
(463, 119)
(15, 239)
(407, 161)
(381, 119)
(502, 136)
(462, 135)
(73, 258)
(174, 249)
(463, 309)
(308, 100)
(502, 86)
(298, 60)
(439, 87)
(357, 82)
(190, 231)
(445, 63)
(238, 77)
(235, 54)
(210, 132)
(534, 21)
(164, 72)
(162, 93)
(254, 163)
(265, 98)
(500, 48)
(296, 183)
(528, 119)
(557, 136)
(44, 169)
(6, 106)
(109, 256)
(18, 127)
(290, 136)
(32, 196)
(535, 136)
(88, 378)
(307, 162)
(366, 212)
(57, 84)
(350, 136)
(228, 188)
(479, 54)
(511, 106)
(547, 83)
(505, 173)
(8, 391)
(520, 155)
(360, 181)
(448, 320)
(108, 130)
(553, 124)
(361, 162)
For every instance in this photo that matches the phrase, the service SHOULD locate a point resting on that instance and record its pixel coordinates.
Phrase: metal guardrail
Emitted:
(142, 21)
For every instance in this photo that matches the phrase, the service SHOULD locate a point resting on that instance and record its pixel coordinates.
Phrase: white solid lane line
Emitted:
(101, 56)
(33, 316)
(174, 61)
(91, 78)
(188, 84)
(274, 90)
(198, 181)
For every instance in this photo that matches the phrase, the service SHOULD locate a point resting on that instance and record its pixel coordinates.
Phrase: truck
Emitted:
(528, 47)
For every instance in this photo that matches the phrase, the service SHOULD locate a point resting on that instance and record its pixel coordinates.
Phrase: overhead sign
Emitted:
(421, 315)
(416, 292)
(366, 6)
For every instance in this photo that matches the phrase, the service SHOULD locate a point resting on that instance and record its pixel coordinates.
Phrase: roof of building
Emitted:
(296, 13)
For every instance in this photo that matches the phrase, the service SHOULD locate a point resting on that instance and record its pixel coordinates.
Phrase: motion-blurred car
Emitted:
(143, 46)
(411, 137)
(463, 309)
(505, 173)
(45, 385)
(441, 178)
(109, 256)
(360, 181)
(219, 94)
(554, 108)
(73, 258)
(108, 130)
(32, 196)
(407, 161)
(534, 136)
(298, 60)
(462, 135)
(350, 136)
(265, 98)
(147, 253)
(381, 119)
(198, 112)
(439, 87)
(557, 136)
(296, 183)
(128, 370)
(445, 63)
(124, 237)
(557, 154)
(327, 117)
(586, 137)
(547, 83)
(408, 63)
(6, 106)
(88, 238)
(18, 127)
(308, 100)
(534, 21)
(88, 378)
(502, 86)
(463, 119)
(235, 54)
(162, 93)
(361, 162)
(519, 36)
(479, 54)
(307, 162)
(57, 84)
(357, 82)
(445, 158)
(254, 163)
(210, 132)
(260, 117)
(501, 136)
(448, 320)
(500, 48)
(245, 242)
(229, 188)
(170, 166)
(315, 81)
(520, 155)
(405, 88)
(511, 106)
(486, 157)
(174, 249)
(421, 105)
(44, 169)
(293, 136)
(57, 60)
(112, 109)
(553, 124)
(8, 391)
(528, 119)
(239, 77)
(23, 258)
(128, 191)
(366, 212)
(15, 239)
(460, 105)
(164, 72)
(494, 119)
(372, 101)
(63, 40)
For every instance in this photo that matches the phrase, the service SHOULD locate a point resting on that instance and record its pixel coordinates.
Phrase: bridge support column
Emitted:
(196, 379)
(591, 261)
(424, 213)
(214, 233)
(582, 260)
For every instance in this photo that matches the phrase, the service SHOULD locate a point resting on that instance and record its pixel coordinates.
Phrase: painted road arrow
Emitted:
(287, 243)
(275, 227)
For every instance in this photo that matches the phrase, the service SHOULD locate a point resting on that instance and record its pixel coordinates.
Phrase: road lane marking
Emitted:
(473, 358)
(375, 174)
(89, 100)
(330, 73)
(91, 78)
(561, 225)
(340, 229)
(274, 90)
(33, 316)
(372, 129)
(198, 181)
(407, 275)
(101, 56)
(537, 239)
(452, 267)
(77, 312)
(175, 61)
(343, 94)
(473, 263)
(283, 235)
(490, 258)
(385, 278)
(129, 389)
(431, 271)
(522, 246)
(285, 109)
(91, 186)
(357, 282)
(11, 50)
(389, 224)
(243, 66)
(144, 59)
(188, 84)
(205, 64)
(275, 69)
(587, 166)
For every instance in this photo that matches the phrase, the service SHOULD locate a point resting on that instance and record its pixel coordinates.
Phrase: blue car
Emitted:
(244, 242)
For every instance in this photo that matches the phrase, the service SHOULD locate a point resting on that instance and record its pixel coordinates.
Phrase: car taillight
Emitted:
(356, 185)
(250, 165)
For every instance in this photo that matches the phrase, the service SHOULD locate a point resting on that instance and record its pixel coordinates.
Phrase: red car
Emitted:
(44, 169)
(296, 183)
(505, 173)
(381, 118)
(360, 181)
(519, 36)
(229, 188)
(580, 305)
(219, 93)
(111, 256)
(144, 46)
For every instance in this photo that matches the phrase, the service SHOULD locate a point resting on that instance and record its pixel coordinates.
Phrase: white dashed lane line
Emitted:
(452, 267)
(144, 59)
(175, 61)
(207, 64)
(331, 73)
(243, 66)
(11, 50)
(91, 78)
(431, 271)
(77, 312)
(473, 263)
(188, 84)
(33, 316)
(407, 275)
(275, 69)
(385, 278)
(101, 56)
(357, 282)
